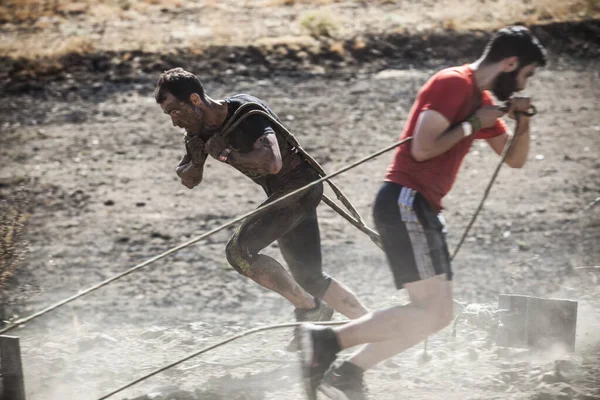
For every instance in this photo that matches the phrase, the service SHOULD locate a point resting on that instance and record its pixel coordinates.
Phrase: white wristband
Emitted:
(467, 128)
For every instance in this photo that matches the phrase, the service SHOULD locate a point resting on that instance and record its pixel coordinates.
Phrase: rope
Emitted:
(590, 205)
(507, 148)
(375, 238)
(221, 343)
(91, 289)
(532, 111)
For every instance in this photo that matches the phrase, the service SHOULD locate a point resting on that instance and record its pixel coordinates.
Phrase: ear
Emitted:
(195, 99)
(510, 64)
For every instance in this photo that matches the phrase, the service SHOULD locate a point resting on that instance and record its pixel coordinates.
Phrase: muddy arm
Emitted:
(191, 167)
(189, 173)
(265, 158)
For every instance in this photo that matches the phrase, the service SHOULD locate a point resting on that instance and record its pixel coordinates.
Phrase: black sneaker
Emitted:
(321, 312)
(344, 383)
(318, 348)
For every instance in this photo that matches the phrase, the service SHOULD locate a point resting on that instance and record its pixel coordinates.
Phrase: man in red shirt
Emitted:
(452, 109)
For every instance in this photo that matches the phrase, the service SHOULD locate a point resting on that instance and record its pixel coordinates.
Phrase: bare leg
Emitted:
(343, 300)
(268, 273)
(398, 328)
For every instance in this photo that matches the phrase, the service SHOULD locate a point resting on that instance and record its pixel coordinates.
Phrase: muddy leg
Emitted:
(268, 273)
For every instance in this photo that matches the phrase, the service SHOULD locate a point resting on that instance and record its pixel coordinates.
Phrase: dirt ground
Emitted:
(95, 157)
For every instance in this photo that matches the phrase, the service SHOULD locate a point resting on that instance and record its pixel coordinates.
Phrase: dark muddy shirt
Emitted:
(242, 139)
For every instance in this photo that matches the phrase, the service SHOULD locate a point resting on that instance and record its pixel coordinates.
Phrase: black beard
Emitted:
(505, 85)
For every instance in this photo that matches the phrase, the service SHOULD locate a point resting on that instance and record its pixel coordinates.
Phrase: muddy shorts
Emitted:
(412, 233)
(293, 224)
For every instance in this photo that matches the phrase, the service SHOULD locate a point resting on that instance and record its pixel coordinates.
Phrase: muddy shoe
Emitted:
(318, 347)
(321, 312)
(344, 383)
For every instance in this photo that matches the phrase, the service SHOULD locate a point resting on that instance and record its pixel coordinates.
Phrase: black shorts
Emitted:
(413, 235)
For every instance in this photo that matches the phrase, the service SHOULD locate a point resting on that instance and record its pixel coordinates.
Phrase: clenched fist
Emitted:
(216, 146)
(189, 173)
(195, 148)
(518, 105)
(488, 115)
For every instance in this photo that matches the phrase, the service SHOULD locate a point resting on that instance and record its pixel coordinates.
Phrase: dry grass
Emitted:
(592, 6)
(30, 48)
(300, 2)
(319, 23)
(324, 2)
(19, 11)
(83, 26)
(501, 13)
(550, 10)
(296, 43)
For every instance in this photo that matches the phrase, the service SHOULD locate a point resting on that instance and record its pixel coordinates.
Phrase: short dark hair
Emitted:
(180, 83)
(516, 41)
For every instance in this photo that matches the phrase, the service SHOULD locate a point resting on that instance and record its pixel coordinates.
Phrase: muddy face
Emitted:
(183, 114)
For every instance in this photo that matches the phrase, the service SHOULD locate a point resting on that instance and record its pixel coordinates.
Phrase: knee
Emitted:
(314, 284)
(437, 313)
(237, 256)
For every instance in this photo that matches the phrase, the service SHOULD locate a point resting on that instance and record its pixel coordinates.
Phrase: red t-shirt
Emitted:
(453, 93)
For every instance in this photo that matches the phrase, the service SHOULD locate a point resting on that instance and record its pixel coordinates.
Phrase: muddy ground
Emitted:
(96, 158)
